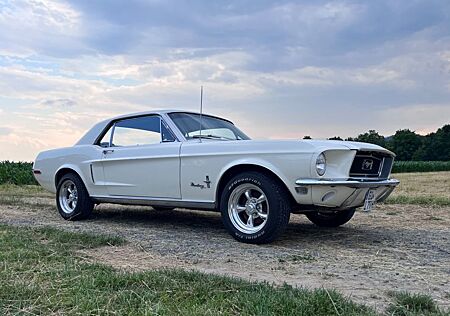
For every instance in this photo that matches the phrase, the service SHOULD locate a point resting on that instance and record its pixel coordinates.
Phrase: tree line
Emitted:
(408, 145)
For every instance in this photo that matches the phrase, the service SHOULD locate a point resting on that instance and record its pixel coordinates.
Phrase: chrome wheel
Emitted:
(248, 208)
(68, 196)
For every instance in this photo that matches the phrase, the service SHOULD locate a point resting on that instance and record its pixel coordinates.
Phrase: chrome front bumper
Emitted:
(345, 194)
(348, 183)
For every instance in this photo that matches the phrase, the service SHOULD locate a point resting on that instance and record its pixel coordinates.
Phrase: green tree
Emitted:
(335, 138)
(307, 137)
(435, 146)
(405, 144)
(372, 137)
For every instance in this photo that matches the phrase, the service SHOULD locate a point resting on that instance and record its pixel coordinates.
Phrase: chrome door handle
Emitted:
(105, 151)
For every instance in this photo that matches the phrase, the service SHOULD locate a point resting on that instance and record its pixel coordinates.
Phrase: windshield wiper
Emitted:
(212, 137)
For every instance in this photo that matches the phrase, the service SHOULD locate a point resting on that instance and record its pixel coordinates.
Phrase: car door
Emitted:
(141, 158)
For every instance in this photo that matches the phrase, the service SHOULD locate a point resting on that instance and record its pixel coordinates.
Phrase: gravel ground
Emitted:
(397, 247)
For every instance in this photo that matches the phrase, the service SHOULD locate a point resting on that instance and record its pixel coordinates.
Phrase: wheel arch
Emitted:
(66, 169)
(238, 168)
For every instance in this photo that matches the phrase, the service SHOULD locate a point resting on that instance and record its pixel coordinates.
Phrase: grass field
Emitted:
(30, 195)
(41, 273)
(430, 188)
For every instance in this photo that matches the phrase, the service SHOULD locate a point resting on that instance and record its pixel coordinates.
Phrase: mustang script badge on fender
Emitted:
(202, 186)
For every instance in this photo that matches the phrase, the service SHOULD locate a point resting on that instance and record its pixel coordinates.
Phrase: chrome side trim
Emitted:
(348, 183)
(131, 200)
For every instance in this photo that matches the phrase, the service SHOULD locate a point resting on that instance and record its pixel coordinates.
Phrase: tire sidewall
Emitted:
(82, 209)
(266, 185)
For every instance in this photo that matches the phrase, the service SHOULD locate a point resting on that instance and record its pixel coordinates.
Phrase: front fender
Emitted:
(283, 174)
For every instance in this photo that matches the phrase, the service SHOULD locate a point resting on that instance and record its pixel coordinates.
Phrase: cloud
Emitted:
(431, 116)
(278, 35)
(5, 131)
(277, 69)
(49, 27)
(57, 103)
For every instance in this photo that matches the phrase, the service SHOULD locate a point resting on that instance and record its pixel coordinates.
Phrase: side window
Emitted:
(137, 131)
(106, 138)
(166, 134)
(144, 130)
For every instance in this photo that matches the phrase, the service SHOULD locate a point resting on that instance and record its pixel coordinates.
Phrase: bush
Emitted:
(19, 173)
(420, 166)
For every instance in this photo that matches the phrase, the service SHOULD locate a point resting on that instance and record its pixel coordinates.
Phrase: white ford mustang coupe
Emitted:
(168, 159)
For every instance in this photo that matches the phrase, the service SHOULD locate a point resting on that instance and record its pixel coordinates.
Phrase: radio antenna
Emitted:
(201, 112)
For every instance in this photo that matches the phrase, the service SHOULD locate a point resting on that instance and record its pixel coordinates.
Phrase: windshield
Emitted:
(212, 127)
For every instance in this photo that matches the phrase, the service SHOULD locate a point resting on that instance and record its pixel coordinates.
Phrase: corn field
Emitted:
(420, 166)
(19, 173)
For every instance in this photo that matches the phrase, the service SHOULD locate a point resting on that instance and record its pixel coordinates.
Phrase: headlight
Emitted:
(321, 165)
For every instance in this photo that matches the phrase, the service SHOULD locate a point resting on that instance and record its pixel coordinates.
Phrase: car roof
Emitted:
(91, 135)
(122, 116)
(144, 113)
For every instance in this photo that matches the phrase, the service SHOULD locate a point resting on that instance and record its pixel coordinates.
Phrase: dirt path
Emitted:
(397, 247)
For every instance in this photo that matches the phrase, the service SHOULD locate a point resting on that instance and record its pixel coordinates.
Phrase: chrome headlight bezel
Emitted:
(321, 164)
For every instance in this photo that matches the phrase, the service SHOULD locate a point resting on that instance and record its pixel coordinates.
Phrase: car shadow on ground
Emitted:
(300, 230)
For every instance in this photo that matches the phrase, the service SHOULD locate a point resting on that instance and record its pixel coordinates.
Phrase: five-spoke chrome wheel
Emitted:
(248, 208)
(68, 196)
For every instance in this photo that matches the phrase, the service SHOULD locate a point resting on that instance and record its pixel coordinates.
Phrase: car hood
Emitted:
(350, 145)
(291, 145)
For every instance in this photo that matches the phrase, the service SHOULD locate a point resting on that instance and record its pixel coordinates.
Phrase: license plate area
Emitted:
(369, 201)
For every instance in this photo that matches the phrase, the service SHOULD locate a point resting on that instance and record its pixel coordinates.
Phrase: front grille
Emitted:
(368, 164)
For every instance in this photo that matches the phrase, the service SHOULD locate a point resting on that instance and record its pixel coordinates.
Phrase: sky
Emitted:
(277, 69)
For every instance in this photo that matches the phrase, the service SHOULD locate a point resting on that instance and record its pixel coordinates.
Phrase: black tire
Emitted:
(334, 219)
(276, 204)
(163, 208)
(84, 205)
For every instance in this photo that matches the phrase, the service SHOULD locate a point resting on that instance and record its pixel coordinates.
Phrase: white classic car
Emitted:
(168, 159)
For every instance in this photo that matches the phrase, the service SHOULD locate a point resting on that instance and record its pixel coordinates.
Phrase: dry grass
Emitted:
(24, 191)
(30, 195)
(424, 184)
(428, 188)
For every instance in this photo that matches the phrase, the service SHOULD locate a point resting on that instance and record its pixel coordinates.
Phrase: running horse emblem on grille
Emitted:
(367, 164)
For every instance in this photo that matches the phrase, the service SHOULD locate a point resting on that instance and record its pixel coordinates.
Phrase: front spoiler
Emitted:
(348, 183)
